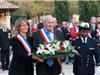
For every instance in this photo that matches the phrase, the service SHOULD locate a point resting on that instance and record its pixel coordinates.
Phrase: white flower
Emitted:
(51, 50)
(41, 46)
(65, 44)
(39, 51)
(45, 52)
(42, 51)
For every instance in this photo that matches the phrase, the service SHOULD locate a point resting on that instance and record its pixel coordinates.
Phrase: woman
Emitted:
(21, 63)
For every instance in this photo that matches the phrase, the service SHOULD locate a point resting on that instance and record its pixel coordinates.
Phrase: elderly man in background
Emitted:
(92, 23)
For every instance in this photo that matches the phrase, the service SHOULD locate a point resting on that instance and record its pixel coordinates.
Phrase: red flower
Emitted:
(45, 48)
(62, 47)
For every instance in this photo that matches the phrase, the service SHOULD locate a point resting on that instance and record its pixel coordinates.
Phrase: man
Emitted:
(66, 30)
(42, 22)
(92, 23)
(5, 46)
(87, 48)
(48, 32)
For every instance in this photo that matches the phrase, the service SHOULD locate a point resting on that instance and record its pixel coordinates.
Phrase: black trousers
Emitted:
(44, 69)
(4, 59)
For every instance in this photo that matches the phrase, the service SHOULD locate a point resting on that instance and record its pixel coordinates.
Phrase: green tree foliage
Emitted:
(31, 8)
(61, 11)
(87, 9)
(73, 7)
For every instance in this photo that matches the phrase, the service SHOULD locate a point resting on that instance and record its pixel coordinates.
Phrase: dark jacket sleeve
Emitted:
(35, 41)
(60, 35)
(97, 53)
(93, 34)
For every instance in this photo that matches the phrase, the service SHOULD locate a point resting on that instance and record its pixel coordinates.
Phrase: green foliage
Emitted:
(87, 9)
(73, 7)
(61, 11)
(31, 8)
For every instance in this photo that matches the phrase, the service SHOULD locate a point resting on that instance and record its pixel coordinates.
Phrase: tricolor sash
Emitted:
(98, 31)
(24, 43)
(47, 39)
(45, 35)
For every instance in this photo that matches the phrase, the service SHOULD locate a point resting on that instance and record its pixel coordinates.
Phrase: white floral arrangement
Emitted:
(55, 49)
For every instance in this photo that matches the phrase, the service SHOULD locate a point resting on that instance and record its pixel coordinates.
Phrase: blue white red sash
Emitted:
(47, 39)
(24, 43)
(98, 31)
(45, 35)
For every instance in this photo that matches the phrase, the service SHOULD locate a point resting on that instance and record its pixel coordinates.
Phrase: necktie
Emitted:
(50, 62)
(83, 40)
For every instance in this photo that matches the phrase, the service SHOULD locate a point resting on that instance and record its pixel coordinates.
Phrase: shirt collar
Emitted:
(83, 39)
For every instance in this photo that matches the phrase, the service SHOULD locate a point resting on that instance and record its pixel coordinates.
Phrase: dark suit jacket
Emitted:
(21, 63)
(43, 68)
(66, 33)
(40, 25)
(84, 63)
(91, 28)
(94, 35)
(4, 40)
(97, 38)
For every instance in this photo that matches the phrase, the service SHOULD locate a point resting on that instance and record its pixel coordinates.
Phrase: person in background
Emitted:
(0, 50)
(97, 19)
(96, 34)
(66, 30)
(75, 30)
(42, 22)
(35, 28)
(50, 66)
(88, 50)
(92, 23)
(5, 46)
(22, 46)
(31, 24)
(58, 26)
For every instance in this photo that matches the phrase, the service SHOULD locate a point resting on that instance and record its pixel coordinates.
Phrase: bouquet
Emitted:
(55, 49)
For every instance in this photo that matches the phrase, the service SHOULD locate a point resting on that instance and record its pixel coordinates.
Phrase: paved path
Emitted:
(67, 69)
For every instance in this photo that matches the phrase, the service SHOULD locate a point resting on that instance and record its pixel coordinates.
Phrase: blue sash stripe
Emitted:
(25, 41)
(47, 33)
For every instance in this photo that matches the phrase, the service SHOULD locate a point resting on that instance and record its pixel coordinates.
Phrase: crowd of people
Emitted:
(25, 38)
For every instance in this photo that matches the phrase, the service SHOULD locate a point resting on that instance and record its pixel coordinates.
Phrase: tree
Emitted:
(87, 9)
(31, 8)
(61, 11)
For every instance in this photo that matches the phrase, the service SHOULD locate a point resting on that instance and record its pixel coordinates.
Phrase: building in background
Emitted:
(5, 8)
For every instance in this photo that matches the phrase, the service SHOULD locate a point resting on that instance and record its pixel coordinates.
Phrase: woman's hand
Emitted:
(38, 59)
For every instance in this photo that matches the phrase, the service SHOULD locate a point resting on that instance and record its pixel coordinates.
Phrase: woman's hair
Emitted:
(16, 28)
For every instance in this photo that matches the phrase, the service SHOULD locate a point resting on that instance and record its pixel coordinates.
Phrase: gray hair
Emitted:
(93, 17)
(18, 23)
